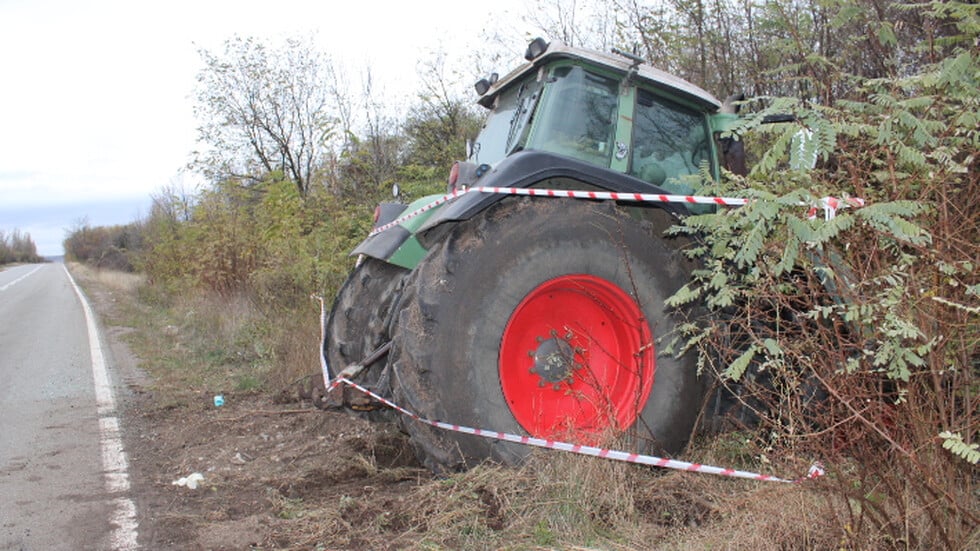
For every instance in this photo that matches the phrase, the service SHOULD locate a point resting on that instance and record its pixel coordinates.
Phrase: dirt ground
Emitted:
(277, 474)
(265, 466)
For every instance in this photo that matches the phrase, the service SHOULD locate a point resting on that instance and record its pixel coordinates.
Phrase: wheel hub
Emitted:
(554, 360)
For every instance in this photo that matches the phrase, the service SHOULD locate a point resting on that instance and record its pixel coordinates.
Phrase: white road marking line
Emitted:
(19, 279)
(114, 464)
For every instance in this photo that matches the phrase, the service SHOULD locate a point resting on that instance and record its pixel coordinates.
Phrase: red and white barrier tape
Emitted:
(816, 470)
(323, 342)
(830, 205)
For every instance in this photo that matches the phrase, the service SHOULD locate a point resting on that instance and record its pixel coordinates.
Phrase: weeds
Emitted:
(203, 343)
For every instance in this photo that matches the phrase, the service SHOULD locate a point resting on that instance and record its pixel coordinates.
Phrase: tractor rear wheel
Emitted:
(358, 325)
(543, 318)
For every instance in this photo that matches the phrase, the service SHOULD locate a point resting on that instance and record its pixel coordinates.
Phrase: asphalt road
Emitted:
(63, 475)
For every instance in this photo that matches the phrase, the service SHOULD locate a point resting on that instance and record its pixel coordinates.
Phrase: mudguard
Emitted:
(399, 245)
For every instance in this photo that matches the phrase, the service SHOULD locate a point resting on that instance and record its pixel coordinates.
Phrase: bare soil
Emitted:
(265, 467)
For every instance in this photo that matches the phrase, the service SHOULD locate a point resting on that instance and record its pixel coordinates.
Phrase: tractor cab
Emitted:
(609, 110)
(577, 119)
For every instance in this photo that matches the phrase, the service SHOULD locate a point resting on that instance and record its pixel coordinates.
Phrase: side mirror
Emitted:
(733, 155)
(395, 191)
(482, 86)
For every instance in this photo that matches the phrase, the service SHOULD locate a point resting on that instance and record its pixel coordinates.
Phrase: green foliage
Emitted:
(955, 444)
(794, 48)
(543, 534)
(437, 130)
(367, 166)
(263, 239)
(873, 309)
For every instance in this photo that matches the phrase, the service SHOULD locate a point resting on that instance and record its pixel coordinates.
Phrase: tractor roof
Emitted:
(619, 63)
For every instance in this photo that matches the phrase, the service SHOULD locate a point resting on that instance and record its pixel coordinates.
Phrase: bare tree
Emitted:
(444, 117)
(373, 159)
(264, 109)
(583, 23)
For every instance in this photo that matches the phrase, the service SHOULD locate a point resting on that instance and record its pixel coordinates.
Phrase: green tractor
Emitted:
(534, 315)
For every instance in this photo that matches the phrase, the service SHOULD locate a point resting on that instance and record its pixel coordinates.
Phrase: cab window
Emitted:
(506, 126)
(669, 142)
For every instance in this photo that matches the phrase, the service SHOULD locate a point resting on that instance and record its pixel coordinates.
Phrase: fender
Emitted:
(398, 244)
(529, 168)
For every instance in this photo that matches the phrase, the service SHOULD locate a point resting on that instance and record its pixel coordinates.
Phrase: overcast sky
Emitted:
(95, 96)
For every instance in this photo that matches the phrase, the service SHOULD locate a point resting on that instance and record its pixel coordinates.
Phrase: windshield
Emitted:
(578, 118)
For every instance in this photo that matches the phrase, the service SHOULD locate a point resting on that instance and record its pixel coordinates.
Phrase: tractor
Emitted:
(541, 316)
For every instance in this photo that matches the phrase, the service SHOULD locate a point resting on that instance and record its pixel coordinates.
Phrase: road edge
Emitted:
(114, 463)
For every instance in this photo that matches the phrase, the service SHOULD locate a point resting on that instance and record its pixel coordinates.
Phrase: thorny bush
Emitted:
(855, 339)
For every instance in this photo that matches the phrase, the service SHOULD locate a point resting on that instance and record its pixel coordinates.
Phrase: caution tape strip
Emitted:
(829, 205)
(568, 193)
(816, 470)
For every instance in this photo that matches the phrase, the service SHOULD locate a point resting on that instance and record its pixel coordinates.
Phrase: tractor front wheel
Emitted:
(358, 325)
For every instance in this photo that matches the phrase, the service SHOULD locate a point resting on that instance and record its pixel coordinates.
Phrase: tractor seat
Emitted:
(652, 172)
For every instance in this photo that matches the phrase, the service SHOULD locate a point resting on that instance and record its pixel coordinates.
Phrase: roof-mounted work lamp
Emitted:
(535, 49)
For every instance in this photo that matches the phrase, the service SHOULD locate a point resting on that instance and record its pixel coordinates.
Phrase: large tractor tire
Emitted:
(358, 325)
(544, 317)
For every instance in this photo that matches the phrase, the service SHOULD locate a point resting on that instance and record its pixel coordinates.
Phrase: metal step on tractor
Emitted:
(541, 316)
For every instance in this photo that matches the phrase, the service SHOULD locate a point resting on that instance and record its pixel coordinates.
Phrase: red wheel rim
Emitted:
(576, 359)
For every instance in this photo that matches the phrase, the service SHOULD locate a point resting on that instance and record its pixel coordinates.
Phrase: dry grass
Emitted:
(207, 342)
(562, 501)
(110, 280)
(298, 344)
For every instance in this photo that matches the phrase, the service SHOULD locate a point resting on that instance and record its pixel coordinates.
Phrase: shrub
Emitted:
(855, 339)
